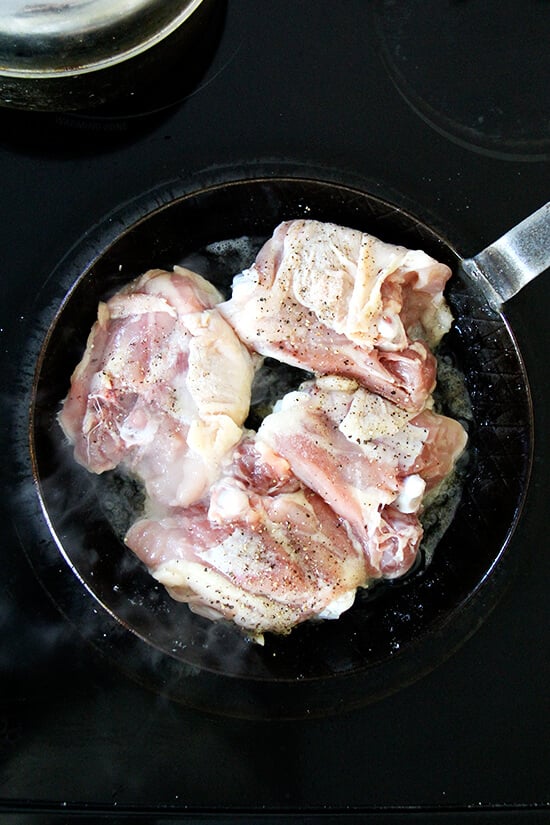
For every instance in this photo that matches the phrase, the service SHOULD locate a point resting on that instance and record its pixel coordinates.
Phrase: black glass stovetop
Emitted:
(439, 109)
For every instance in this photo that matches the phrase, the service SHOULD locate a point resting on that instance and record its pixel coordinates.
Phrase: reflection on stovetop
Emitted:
(476, 72)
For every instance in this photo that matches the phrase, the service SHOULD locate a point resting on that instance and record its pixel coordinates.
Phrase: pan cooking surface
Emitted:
(389, 637)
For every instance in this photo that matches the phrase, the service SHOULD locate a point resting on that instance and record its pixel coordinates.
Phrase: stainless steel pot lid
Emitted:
(48, 38)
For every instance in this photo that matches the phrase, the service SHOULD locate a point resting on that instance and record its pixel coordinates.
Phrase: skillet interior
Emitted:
(399, 632)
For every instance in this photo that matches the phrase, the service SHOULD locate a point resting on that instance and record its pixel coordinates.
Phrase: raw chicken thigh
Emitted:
(162, 389)
(335, 300)
(267, 563)
(369, 460)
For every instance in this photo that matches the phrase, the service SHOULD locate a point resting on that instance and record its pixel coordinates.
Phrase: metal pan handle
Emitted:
(515, 259)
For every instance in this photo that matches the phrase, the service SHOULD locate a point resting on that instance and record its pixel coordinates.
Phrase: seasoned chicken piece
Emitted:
(162, 389)
(266, 563)
(335, 300)
(368, 459)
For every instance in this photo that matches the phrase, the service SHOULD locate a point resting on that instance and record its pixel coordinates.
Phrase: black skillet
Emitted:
(392, 635)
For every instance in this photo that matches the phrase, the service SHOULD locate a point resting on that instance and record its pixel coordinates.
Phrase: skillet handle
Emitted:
(515, 259)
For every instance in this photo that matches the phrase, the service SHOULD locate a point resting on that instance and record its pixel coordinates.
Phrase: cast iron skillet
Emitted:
(391, 636)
